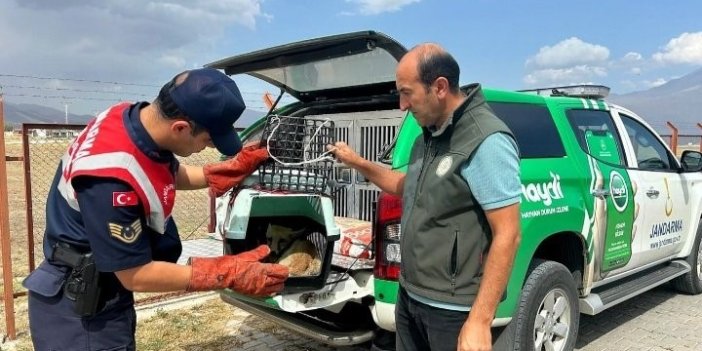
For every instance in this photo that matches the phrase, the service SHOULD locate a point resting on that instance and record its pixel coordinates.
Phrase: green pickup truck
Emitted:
(607, 210)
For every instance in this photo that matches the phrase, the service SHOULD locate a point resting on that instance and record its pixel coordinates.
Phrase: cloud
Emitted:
(117, 40)
(570, 61)
(128, 38)
(687, 48)
(654, 83)
(631, 63)
(375, 7)
(581, 74)
(632, 57)
(568, 53)
(174, 61)
(243, 12)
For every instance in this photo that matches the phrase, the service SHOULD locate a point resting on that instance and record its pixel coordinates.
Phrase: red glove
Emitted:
(243, 273)
(224, 175)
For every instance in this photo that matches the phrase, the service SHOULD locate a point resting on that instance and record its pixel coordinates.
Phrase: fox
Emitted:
(299, 255)
(302, 259)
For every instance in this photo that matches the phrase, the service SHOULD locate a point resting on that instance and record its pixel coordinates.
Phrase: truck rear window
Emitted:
(533, 129)
(597, 127)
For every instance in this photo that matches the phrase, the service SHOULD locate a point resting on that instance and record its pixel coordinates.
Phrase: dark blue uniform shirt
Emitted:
(90, 229)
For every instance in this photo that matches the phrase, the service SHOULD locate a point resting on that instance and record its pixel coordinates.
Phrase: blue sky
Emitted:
(627, 45)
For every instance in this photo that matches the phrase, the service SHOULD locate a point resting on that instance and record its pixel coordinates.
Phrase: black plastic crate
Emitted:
(299, 159)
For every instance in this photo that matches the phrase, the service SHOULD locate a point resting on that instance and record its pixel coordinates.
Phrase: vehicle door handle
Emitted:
(652, 193)
(600, 193)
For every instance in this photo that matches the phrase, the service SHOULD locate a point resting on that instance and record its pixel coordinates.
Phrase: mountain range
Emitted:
(16, 114)
(678, 101)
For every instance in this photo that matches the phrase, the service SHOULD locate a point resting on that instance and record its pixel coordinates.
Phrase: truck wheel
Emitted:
(548, 314)
(691, 282)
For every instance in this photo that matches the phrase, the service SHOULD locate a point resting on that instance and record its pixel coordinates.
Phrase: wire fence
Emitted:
(44, 144)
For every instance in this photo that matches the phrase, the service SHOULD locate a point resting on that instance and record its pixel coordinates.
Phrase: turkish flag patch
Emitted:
(124, 198)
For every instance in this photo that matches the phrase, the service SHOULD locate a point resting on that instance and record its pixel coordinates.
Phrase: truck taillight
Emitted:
(387, 237)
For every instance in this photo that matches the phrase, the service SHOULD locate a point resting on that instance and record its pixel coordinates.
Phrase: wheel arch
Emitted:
(566, 247)
(687, 249)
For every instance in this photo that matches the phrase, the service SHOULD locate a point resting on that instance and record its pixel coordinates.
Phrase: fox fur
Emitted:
(300, 257)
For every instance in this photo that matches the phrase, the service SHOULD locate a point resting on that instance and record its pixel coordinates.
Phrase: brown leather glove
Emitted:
(243, 273)
(222, 176)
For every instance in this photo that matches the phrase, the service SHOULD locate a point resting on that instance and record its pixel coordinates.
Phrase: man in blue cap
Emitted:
(109, 230)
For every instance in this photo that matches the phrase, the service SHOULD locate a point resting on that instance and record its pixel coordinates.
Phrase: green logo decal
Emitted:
(619, 191)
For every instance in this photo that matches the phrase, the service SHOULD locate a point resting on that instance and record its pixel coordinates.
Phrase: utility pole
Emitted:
(65, 105)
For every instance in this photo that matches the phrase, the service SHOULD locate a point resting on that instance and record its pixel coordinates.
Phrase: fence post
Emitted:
(673, 138)
(8, 296)
(29, 208)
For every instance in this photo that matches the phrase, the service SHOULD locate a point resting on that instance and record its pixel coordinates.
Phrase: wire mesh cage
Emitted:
(299, 160)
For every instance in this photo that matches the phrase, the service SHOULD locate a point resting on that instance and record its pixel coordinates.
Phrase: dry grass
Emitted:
(212, 325)
(203, 327)
(215, 325)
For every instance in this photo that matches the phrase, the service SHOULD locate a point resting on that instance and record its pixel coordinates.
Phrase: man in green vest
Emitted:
(460, 219)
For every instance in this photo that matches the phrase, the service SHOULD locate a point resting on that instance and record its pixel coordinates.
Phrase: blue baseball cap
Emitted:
(212, 100)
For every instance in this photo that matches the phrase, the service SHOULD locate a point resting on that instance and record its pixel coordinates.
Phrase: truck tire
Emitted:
(691, 282)
(548, 315)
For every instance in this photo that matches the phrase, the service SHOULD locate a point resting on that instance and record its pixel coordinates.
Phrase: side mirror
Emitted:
(691, 161)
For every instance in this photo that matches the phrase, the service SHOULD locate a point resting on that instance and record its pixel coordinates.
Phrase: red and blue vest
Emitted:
(104, 149)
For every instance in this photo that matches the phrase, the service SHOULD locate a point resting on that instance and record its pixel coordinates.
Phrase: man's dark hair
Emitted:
(168, 108)
(438, 63)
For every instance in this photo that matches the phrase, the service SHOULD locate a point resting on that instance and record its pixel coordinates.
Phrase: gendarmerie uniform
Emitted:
(109, 204)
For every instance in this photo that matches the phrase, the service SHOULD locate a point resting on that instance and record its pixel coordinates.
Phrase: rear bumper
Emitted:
(302, 325)
(384, 315)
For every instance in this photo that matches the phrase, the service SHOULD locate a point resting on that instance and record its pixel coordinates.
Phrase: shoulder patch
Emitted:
(125, 233)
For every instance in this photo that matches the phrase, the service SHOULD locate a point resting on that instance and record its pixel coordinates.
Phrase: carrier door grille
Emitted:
(343, 201)
(374, 135)
(374, 139)
(367, 133)
(366, 199)
(341, 133)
